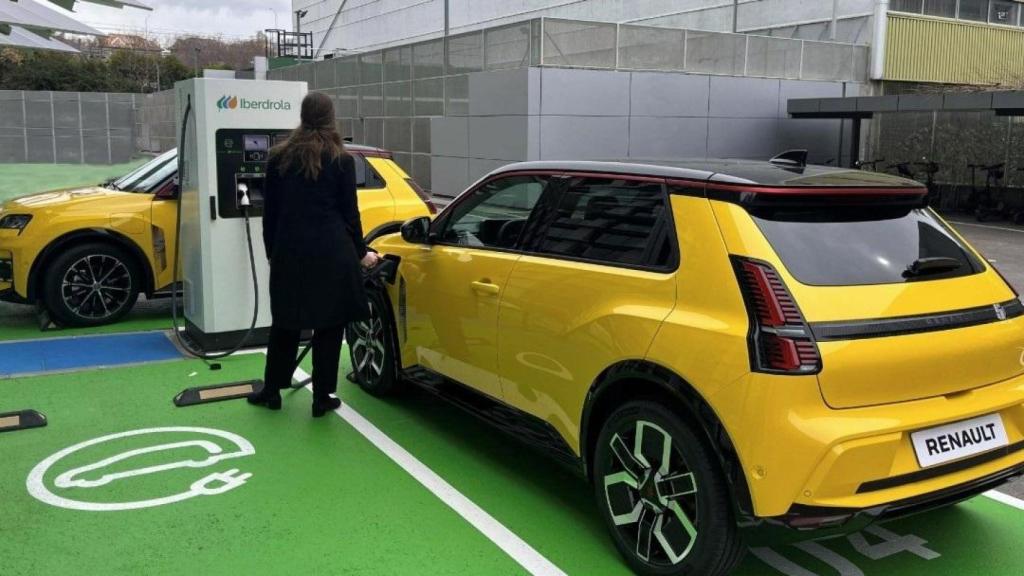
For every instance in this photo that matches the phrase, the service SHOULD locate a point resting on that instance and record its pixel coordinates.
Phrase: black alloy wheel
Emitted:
(662, 495)
(91, 285)
(372, 348)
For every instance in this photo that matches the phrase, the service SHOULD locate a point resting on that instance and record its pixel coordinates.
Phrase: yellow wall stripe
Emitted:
(923, 49)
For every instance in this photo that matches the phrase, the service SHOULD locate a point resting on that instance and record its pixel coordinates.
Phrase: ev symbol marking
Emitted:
(79, 480)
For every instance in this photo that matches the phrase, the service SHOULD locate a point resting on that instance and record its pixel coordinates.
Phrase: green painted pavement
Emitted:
(20, 179)
(321, 478)
(321, 499)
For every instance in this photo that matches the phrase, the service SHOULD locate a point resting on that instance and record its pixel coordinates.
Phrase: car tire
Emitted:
(371, 346)
(91, 285)
(669, 519)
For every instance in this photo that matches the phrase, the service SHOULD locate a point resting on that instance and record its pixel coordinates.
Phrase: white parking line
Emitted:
(495, 531)
(1005, 499)
(1003, 228)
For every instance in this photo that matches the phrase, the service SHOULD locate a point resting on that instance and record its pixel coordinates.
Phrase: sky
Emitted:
(227, 18)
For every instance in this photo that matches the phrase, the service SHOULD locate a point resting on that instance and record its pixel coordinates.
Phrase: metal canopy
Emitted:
(70, 4)
(29, 24)
(1005, 103)
(33, 16)
(21, 38)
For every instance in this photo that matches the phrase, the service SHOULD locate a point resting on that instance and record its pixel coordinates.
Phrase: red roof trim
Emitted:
(811, 190)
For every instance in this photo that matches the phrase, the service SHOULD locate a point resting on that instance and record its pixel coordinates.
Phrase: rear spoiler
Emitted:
(754, 195)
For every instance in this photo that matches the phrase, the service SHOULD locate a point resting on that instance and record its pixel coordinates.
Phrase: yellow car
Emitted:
(794, 350)
(86, 254)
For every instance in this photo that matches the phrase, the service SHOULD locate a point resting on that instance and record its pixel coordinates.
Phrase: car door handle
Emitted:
(485, 287)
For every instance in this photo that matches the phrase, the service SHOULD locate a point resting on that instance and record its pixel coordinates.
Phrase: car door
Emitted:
(455, 283)
(596, 281)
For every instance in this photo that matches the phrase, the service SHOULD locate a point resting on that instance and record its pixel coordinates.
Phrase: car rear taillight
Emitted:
(780, 340)
(423, 195)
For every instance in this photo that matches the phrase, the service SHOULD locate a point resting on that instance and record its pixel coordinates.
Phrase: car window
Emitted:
(495, 214)
(366, 176)
(608, 220)
(133, 181)
(849, 245)
(153, 180)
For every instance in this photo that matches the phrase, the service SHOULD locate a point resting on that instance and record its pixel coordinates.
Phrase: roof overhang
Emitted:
(1004, 103)
(15, 36)
(31, 15)
(70, 4)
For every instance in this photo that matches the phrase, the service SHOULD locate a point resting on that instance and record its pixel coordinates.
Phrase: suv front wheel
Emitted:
(662, 496)
(371, 348)
(91, 285)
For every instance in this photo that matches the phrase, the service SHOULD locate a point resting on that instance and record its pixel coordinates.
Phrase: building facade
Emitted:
(358, 25)
(553, 89)
(729, 66)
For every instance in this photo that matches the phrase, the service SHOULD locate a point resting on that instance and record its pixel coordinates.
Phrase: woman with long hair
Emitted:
(314, 241)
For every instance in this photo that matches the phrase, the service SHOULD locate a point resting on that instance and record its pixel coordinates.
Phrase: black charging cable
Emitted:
(177, 264)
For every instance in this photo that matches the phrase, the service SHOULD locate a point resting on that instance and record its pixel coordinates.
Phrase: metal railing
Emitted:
(593, 45)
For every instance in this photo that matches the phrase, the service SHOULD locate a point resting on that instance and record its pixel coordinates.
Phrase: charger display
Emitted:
(242, 157)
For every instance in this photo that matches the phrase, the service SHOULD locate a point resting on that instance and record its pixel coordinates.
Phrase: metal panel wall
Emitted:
(67, 127)
(922, 49)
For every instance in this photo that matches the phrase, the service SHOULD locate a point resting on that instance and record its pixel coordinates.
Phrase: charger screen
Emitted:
(256, 143)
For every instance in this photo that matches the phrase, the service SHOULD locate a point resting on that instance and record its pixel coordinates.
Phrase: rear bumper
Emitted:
(812, 523)
(804, 455)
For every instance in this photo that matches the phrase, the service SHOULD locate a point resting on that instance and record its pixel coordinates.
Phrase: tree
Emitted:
(123, 71)
(122, 63)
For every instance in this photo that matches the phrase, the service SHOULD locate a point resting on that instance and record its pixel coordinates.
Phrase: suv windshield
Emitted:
(850, 246)
(149, 176)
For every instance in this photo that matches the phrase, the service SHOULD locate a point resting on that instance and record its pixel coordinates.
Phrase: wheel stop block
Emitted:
(22, 420)
(217, 393)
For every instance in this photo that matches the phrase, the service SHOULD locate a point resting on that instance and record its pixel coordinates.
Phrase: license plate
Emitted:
(959, 440)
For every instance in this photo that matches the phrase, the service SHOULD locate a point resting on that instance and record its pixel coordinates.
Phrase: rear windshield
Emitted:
(850, 246)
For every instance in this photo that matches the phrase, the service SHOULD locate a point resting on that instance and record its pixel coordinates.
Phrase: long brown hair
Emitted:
(315, 140)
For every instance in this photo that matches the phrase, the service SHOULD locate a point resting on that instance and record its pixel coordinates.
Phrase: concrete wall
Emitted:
(67, 127)
(368, 24)
(558, 114)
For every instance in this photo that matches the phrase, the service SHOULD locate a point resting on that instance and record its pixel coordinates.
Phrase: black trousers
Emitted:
(284, 348)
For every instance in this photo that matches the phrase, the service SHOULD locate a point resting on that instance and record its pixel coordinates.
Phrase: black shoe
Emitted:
(271, 400)
(321, 407)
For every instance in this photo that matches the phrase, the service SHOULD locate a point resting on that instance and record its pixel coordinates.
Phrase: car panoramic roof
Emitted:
(725, 171)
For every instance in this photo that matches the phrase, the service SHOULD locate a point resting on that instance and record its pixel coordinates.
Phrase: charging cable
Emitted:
(245, 204)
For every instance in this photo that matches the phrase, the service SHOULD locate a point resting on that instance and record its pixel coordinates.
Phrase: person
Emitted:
(314, 241)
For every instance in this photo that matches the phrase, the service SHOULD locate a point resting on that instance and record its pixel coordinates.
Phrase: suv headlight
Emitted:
(15, 222)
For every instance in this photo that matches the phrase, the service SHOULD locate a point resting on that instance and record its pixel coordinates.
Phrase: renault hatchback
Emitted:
(727, 350)
(85, 254)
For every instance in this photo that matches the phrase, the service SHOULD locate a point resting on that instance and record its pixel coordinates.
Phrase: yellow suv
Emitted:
(86, 254)
(791, 349)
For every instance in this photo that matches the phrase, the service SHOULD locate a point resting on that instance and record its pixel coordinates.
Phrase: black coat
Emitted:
(314, 241)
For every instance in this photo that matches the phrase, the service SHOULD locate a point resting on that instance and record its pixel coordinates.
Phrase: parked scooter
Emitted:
(988, 206)
(930, 168)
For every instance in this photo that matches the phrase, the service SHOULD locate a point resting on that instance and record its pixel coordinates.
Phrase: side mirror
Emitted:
(417, 231)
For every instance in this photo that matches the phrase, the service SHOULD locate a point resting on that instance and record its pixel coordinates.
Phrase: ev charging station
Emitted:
(226, 129)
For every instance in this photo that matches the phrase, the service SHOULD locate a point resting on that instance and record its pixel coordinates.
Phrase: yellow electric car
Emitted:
(87, 253)
(729, 351)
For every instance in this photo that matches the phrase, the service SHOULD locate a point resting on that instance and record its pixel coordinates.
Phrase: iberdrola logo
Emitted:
(228, 103)
(234, 102)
